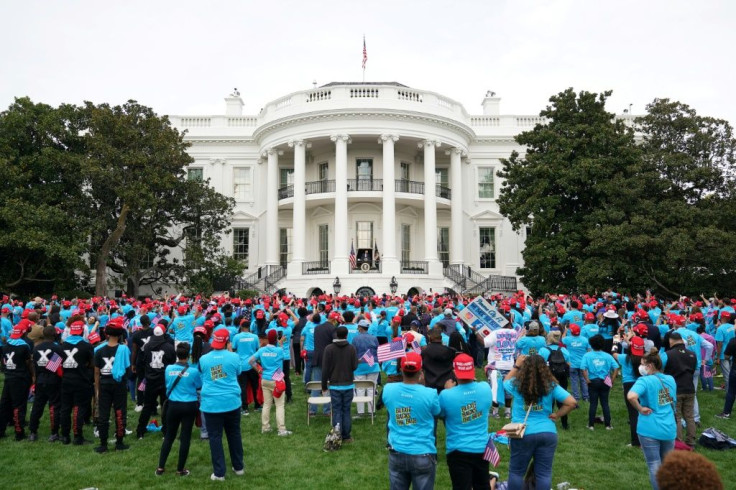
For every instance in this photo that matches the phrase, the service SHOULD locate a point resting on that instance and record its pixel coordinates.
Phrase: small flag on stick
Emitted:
(278, 375)
(368, 358)
(54, 364)
(392, 350)
(491, 453)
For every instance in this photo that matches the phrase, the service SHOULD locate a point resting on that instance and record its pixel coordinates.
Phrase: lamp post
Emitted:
(393, 285)
(336, 286)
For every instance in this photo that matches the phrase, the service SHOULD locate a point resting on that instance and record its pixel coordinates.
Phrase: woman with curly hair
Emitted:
(531, 384)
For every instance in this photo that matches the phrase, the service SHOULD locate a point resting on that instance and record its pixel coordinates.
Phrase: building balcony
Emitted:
(364, 185)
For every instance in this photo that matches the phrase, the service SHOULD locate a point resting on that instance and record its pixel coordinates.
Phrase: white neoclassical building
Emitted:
(364, 184)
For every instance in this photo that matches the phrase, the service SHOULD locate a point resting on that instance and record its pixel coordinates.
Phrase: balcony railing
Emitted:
(320, 186)
(414, 267)
(409, 186)
(444, 192)
(286, 191)
(369, 185)
(317, 267)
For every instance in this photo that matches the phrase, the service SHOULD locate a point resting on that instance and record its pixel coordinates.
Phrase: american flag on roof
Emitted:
(54, 363)
(393, 350)
(278, 375)
(365, 53)
(352, 258)
(368, 358)
(490, 453)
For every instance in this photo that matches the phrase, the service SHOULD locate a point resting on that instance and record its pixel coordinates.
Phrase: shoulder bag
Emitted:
(516, 430)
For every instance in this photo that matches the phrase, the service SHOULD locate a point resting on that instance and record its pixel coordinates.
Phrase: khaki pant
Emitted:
(686, 410)
(268, 399)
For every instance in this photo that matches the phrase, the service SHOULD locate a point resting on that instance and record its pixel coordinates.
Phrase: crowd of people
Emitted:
(206, 361)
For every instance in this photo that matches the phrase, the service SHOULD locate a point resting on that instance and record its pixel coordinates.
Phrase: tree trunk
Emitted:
(110, 243)
(133, 286)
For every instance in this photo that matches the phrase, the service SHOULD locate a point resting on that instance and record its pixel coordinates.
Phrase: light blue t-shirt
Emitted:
(538, 420)
(573, 317)
(627, 370)
(245, 344)
(286, 346)
(589, 330)
(693, 342)
(577, 346)
(530, 345)
(599, 364)
(546, 351)
(183, 328)
(411, 410)
(465, 410)
(271, 358)
(186, 389)
(220, 389)
(658, 392)
(724, 334)
(308, 334)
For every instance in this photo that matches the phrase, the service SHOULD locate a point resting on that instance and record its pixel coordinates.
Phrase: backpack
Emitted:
(557, 364)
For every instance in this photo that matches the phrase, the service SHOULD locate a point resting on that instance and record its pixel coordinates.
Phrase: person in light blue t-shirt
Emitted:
(532, 342)
(245, 344)
(465, 410)
(654, 395)
(534, 390)
(269, 361)
(411, 409)
(599, 370)
(221, 403)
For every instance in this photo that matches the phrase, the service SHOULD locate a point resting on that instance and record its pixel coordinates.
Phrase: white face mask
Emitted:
(643, 370)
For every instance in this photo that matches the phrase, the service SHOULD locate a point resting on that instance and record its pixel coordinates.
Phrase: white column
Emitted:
(389, 260)
(456, 207)
(342, 244)
(272, 207)
(430, 207)
(299, 210)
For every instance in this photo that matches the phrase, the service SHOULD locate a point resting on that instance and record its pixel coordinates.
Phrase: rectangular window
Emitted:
(528, 230)
(147, 261)
(364, 169)
(241, 239)
(193, 249)
(285, 246)
(487, 247)
(443, 245)
(286, 177)
(441, 176)
(364, 232)
(405, 243)
(404, 171)
(324, 244)
(485, 183)
(195, 174)
(242, 184)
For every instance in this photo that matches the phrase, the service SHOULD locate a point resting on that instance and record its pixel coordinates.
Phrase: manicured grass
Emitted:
(590, 460)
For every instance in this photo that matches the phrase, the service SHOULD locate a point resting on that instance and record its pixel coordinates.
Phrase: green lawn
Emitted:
(590, 460)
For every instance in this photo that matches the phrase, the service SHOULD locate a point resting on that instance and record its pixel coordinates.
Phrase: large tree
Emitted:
(42, 230)
(608, 211)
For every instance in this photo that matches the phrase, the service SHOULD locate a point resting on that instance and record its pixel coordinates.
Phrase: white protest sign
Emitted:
(479, 313)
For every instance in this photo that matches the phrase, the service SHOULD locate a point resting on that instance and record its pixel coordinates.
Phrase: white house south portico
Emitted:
(365, 183)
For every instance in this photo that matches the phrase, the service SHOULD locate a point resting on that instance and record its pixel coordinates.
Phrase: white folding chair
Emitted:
(370, 398)
(316, 400)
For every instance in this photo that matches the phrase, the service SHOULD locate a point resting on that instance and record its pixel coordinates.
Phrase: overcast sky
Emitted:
(183, 57)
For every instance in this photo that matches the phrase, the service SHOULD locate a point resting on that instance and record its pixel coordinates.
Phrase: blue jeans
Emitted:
(598, 391)
(541, 447)
(341, 400)
(229, 422)
(417, 470)
(654, 452)
(578, 384)
(726, 370)
(317, 376)
(730, 395)
(308, 366)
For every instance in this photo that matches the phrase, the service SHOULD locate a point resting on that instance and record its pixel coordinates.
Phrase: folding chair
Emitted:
(366, 384)
(316, 400)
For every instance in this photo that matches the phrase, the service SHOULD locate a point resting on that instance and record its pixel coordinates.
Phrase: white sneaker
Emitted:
(96, 433)
(284, 433)
(216, 478)
(128, 432)
(239, 472)
(139, 408)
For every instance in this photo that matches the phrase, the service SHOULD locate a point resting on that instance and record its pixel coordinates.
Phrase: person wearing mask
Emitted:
(577, 345)
(338, 363)
(182, 383)
(534, 391)
(221, 404)
(599, 371)
(76, 383)
(630, 362)
(48, 384)
(437, 361)
(245, 344)
(365, 343)
(17, 364)
(412, 407)
(654, 396)
(112, 364)
(269, 362)
(465, 410)
(158, 353)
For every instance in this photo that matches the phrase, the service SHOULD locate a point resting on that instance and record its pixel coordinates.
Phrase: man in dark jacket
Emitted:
(437, 361)
(159, 352)
(324, 333)
(681, 365)
(338, 363)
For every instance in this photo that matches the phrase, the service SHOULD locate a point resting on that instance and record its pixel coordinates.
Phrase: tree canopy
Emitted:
(611, 205)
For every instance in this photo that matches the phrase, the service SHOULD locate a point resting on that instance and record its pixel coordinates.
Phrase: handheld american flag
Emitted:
(490, 454)
(416, 347)
(393, 350)
(368, 358)
(54, 364)
(607, 381)
(278, 375)
(142, 386)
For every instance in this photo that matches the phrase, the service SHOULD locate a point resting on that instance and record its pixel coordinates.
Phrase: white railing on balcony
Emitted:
(318, 95)
(242, 122)
(409, 95)
(362, 92)
(485, 121)
(196, 122)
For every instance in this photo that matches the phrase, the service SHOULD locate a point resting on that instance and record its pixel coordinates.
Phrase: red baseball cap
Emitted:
(260, 314)
(411, 363)
(76, 328)
(335, 315)
(220, 338)
(464, 367)
(273, 335)
(637, 346)
(589, 317)
(94, 338)
(641, 329)
(575, 329)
